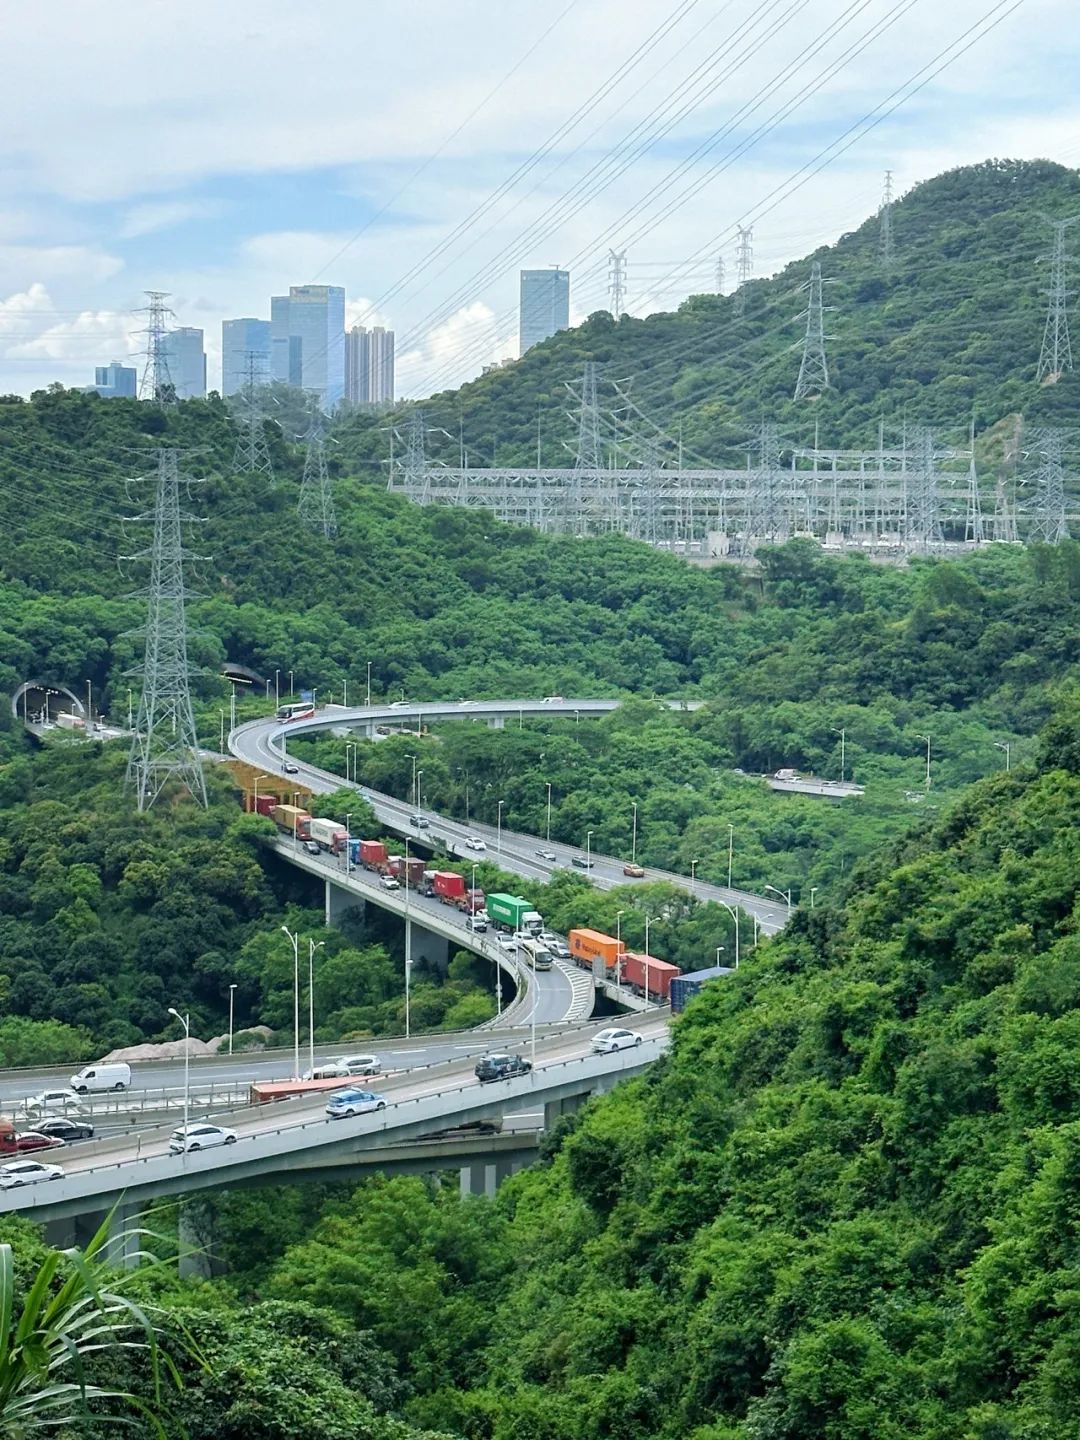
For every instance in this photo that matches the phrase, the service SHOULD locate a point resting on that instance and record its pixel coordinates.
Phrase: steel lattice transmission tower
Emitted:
(617, 282)
(885, 235)
(923, 504)
(1055, 356)
(315, 507)
(166, 746)
(1047, 505)
(252, 454)
(814, 369)
(587, 456)
(157, 382)
(744, 265)
(721, 275)
(766, 518)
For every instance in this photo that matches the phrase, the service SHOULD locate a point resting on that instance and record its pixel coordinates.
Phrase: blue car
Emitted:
(353, 1102)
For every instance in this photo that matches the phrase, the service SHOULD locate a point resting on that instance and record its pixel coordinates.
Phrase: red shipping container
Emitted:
(449, 886)
(638, 970)
(372, 853)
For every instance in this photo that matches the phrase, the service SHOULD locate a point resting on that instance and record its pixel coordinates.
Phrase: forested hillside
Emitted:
(950, 331)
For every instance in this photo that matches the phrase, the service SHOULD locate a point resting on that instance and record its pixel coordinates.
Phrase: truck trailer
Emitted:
(511, 912)
(685, 987)
(292, 820)
(449, 886)
(371, 854)
(646, 975)
(588, 946)
(327, 834)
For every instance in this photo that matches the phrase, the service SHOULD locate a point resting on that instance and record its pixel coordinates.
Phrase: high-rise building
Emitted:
(307, 341)
(115, 381)
(187, 362)
(545, 305)
(369, 365)
(239, 339)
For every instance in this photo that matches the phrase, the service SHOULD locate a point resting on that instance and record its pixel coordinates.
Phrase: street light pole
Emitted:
(588, 849)
(547, 832)
(368, 684)
(730, 851)
(735, 916)
(927, 739)
(312, 947)
(1004, 745)
(785, 895)
(618, 951)
(296, 998)
(185, 1020)
(232, 993)
(291, 691)
(843, 743)
(348, 846)
(257, 779)
(633, 842)
(648, 976)
(89, 706)
(693, 868)
(813, 892)
(408, 944)
(499, 825)
(277, 686)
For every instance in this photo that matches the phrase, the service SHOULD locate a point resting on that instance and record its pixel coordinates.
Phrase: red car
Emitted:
(33, 1140)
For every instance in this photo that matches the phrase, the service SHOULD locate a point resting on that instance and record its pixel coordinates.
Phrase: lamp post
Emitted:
(785, 895)
(927, 739)
(291, 691)
(1004, 745)
(719, 952)
(185, 1020)
(232, 994)
(221, 735)
(730, 851)
(257, 779)
(412, 788)
(296, 998)
(89, 706)
(499, 827)
(348, 846)
(345, 692)
(368, 701)
(547, 831)
(735, 916)
(131, 717)
(813, 892)
(466, 774)
(757, 930)
(843, 743)
(633, 842)
(588, 849)
(416, 797)
(277, 687)
(618, 951)
(312, 947)
(693, 878)
(648, 987)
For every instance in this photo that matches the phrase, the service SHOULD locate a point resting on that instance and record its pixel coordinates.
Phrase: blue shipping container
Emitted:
(685, 987)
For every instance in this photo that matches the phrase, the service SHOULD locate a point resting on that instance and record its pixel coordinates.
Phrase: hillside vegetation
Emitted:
(951, 331)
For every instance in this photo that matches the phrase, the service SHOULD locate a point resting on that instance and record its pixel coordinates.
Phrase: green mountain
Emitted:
(951, 331)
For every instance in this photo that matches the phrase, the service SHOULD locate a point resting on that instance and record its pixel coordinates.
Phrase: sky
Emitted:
(421, 153)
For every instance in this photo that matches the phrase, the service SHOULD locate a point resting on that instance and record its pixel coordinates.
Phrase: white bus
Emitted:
(302, 710)
(535, 954)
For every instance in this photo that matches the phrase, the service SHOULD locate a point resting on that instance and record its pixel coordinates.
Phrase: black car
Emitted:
(61, 1129)
(501, 1067)
(583, 862)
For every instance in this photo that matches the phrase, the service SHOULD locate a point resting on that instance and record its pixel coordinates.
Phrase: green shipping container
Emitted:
(506, 910)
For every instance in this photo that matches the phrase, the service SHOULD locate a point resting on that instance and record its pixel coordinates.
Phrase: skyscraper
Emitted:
(239, 339)
(369, 365)
(115, 381)
(187, 362)
(545, 305)
(307, 341)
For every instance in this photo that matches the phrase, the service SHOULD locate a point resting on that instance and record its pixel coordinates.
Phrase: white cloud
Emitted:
(148, 219)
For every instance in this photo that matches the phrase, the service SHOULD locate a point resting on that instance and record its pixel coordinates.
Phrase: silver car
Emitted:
(28, 1172)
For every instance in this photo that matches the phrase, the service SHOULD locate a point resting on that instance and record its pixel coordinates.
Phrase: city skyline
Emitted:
(425, 202)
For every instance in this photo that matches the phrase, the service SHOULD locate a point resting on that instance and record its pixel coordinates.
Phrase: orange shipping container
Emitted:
(589, 945)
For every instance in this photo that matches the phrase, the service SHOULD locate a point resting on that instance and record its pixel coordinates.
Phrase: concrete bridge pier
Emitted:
(554, 1110)
(485, 1177)
(433, 949)
(496, 722)
(339, 900)
(195, 1236)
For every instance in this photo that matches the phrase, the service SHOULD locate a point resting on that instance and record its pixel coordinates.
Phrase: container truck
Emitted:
(372, 854)
(511, 912)
(292, 820)
(410, 872)
(685, 987)
(472, 902)
(588, 946)
(449, 886)
(265, 804)
(327, 834)
(647, 975)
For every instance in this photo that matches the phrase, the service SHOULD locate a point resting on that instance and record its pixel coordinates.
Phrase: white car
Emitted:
(609, 1040)
(504, 941)
(548, 855)
(328, 1070)
(360, 1064)
(475, 843)
(62, 1101)
(389, 882)
(344, 1103)
(199, 1136)
(28, 1172)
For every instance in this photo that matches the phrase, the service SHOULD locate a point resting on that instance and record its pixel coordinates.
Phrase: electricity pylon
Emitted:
(814, 369)
(157, 382)
(315, 507)
(1047, 506)
(617, 282)
(252, 454)
(1055, 357)
(744, 265)
(165, 746)
(885, 236)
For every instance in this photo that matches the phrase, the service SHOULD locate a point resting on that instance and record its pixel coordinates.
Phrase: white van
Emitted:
(116, 1076)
